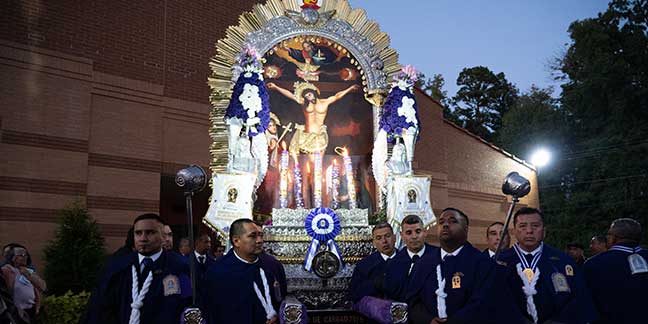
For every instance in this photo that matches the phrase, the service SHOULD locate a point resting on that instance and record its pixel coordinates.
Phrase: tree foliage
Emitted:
(482, 99)
(534, 120)
(599, 129)
(75, 254)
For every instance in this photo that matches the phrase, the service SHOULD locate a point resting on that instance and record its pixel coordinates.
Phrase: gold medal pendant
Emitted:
(528, 272)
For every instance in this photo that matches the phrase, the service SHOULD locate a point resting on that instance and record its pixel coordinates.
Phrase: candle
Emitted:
(283, 181)
(335, 184)
(297, 183)
(348, 168)
(317, 179)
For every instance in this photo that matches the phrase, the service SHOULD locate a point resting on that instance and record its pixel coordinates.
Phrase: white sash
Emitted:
(441, 294)
(138, 296)
(266, 301)
(529, 290)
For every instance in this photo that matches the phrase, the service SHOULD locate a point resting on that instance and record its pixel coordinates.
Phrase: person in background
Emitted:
(577, 252)
(167, 236)
(493, 235)
(217, 250)
(598, 244)
(24, 285)
(618, 278)
(184, 247)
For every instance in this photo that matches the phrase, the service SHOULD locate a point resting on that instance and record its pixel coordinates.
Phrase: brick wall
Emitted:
(163, 42)
(101, 99)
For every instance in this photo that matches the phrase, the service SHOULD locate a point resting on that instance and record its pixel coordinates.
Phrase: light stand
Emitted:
(516, 186)
(191, 179)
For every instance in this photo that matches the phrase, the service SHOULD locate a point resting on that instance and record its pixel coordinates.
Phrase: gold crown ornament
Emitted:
(300, 87)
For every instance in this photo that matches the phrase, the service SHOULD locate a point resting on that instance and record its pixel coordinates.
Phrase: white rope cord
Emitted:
(441, 294)
(529, 290)
(138, 296)
(265, 301)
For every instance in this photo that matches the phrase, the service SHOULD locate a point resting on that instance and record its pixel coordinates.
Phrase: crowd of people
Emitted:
(146, 281)
(528, 282)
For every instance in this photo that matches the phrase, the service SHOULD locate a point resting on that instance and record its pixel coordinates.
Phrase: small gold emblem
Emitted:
(456, 280)
(569, 270)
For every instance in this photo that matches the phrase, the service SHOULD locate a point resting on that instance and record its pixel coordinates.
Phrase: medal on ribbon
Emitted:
(323, 225)
(529, 268)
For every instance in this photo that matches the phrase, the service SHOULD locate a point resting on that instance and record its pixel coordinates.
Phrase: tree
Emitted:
(482, 99)
(605, 99)
(433, 87)
(535, 120)
(75, 255)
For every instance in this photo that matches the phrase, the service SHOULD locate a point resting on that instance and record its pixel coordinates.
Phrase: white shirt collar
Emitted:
(243, 260)
(198, 255)
(387, 257)
(534, 252)
(454, 253)
(419, 253)
(154, 257)
(490, 253)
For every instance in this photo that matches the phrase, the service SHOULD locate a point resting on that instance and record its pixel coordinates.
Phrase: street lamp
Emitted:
(541, 158)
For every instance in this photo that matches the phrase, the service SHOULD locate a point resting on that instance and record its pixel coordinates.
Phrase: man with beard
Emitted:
(312, 136)
(150, 285)
(236, 288)
(406, 273)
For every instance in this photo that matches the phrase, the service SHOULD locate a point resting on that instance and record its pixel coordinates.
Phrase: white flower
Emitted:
(407, 110)
(402, 84)
(250, 99)
(253, 121)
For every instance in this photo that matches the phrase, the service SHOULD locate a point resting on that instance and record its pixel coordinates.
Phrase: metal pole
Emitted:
(505, 228)
(192, 264)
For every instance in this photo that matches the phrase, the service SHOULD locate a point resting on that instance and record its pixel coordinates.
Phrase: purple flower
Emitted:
(390, 121)
(236, 109)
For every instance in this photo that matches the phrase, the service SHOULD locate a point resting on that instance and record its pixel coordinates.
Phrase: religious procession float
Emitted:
(314, 124)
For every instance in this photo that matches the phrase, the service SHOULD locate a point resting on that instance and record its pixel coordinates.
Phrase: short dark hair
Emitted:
(201, 236)
(184, 240)
(527, 211)
(627, 229)
(236, 228)
(149, 216)
(411, 220)
(491, 225)
(600, 238)
(381, 225)
(456, 210)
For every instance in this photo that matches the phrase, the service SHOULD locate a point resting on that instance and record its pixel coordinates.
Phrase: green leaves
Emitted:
(75, 255)
(481, 101)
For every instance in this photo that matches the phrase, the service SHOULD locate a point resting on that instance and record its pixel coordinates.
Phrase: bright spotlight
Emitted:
(540, 158)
